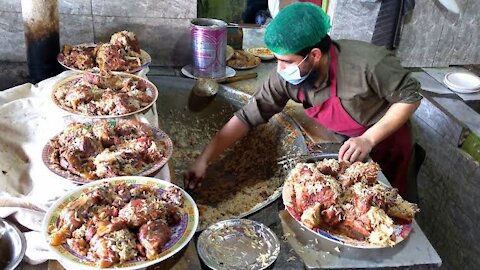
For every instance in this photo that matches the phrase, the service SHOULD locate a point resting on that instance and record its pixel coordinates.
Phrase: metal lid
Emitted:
(208, 23)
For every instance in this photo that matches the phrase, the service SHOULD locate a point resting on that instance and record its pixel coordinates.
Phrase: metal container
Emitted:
(235, 37)
(209, 41)
(12, 246)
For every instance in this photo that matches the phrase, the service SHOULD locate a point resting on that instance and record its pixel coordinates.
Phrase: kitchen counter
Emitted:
(301, 249)
(296, 253)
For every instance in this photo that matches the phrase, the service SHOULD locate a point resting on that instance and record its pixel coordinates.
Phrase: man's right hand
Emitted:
(195, 174)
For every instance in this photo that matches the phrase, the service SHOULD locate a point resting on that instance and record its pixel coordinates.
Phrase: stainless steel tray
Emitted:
(238, 244)
(191, 122)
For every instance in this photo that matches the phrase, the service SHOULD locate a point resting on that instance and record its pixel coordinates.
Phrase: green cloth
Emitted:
(296, 27)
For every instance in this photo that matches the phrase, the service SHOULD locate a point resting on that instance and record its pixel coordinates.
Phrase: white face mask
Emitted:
(292, 74)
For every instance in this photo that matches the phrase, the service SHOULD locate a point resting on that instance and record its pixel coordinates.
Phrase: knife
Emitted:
(450, 5)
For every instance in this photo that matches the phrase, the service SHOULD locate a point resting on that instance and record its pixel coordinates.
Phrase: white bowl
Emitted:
(462, 82)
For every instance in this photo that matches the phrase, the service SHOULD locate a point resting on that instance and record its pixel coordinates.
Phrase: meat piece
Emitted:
(111, 57)
(362, 203)
(138, 212)
(117, 246)
(121, 102)
(132, 128)
(78, 245)
(359, 171)
(332, 167)
(81, 57)
(383, 197)
(173, 196)
(173, 215)
(76, 96)
(70, 161)
(106, 80)
(311, 216)
(351, 226)
(153, 236)
(332, 215)
(326, 197)
(87, 146)
(126, 39)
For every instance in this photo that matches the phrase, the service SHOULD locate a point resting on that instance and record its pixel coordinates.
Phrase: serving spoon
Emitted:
(205, 87)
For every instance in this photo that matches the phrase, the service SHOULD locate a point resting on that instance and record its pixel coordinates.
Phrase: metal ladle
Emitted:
(205, 87)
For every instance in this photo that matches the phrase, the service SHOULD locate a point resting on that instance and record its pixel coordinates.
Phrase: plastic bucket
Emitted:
(209, 40)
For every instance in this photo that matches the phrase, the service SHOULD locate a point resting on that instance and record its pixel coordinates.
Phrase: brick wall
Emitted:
(161, 26)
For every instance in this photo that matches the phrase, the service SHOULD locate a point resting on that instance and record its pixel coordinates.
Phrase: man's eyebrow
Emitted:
(284, 60)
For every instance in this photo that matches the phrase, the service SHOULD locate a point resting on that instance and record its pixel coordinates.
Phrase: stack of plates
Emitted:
(462, 82)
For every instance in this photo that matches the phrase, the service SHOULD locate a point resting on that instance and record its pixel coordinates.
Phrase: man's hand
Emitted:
(195, 174)
(355, 149)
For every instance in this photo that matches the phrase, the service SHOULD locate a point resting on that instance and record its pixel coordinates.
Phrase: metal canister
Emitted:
(209, 41)
(235, 37)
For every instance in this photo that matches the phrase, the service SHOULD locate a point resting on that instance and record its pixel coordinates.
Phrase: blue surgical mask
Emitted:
(292, 74)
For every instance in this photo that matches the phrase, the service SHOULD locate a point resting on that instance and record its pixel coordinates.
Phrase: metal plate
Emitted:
(187, 71)
(238, 244)
(401, 231)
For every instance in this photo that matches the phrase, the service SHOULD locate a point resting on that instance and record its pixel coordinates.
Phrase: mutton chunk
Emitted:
(138, 212)
(153, 236)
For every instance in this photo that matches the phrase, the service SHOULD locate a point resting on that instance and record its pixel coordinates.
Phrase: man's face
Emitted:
(289, 60)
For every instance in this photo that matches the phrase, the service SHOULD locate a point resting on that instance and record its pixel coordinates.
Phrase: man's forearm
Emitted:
(231, 132)
(395, 117)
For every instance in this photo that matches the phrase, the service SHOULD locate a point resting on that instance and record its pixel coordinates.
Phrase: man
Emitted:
(353, 88)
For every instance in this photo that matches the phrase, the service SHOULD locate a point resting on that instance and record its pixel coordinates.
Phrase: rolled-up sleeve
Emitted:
(393, 82)
(269, 100)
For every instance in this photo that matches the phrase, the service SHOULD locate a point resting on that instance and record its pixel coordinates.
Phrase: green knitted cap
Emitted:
(296, 27)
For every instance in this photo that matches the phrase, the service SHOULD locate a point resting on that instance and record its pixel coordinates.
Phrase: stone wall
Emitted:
(161, 26)
(448, 186)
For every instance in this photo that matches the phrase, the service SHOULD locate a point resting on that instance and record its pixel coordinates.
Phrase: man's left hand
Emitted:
(355, 149)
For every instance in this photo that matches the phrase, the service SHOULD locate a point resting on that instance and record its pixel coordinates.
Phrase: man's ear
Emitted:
(316, 54)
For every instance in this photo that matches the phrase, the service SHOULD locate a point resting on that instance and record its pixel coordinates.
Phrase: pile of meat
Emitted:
(346, 199)
(122, 53)
(106, 94)
(242, 59)
(103, 149)
(114, 223)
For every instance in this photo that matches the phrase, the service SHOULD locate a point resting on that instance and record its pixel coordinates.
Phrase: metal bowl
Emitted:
(12, 246)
